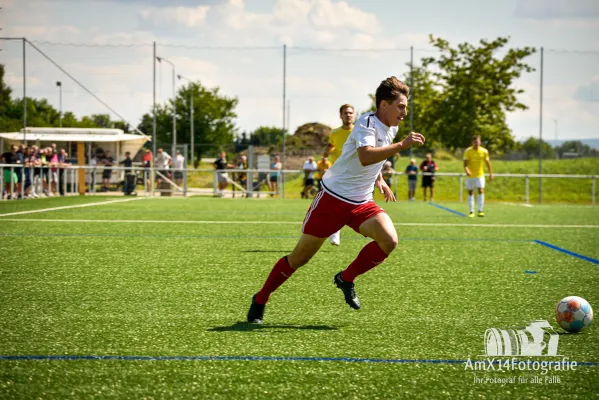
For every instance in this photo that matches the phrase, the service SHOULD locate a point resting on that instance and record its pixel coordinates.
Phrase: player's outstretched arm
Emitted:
(369, 155)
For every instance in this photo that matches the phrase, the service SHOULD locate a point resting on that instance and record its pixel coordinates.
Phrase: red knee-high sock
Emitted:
(370, 256)
(279, 274)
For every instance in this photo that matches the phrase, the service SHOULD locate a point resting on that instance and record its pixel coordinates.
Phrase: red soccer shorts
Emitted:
(327, 215)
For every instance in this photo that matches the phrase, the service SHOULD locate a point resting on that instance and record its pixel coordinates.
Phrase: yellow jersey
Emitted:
(475, 159)
(322, 165)
(337, 138)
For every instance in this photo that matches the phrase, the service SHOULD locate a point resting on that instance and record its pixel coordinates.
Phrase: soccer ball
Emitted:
(573, 313)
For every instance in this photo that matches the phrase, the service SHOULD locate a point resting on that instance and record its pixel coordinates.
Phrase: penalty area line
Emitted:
(69, 207)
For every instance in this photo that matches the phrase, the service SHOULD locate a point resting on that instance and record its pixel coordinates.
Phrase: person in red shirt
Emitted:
(146, 162)
(429, 167)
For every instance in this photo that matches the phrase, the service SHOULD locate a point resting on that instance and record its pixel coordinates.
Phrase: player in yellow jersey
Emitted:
(474, 158)
(337, 139)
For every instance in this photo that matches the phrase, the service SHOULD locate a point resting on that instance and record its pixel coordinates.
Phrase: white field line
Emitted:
(137, 221)
(68, 207)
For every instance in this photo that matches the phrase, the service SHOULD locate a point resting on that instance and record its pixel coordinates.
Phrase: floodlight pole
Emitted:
(284, 128)
(154, 107)
(411, 110)
(59, 84)
(24, 93)
(541, 132)
(160, 59)
(191, 130)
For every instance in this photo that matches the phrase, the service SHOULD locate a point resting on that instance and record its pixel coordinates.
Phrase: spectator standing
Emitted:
(429, 167)
(310, 168)
(107, 162)
(10, 176)
(62, 162)
(323, 165)
(412, 173)
(242, 176)
(179, 167)
(54, 162)
(146, 163)
(221, 165)
(162, 163)
(94, 164)
(45, 169)
(274, 176)
(129, 181)
(30, 162)
(388, 172)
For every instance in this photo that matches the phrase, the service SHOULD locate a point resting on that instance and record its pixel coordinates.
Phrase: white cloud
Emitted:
(557, 9)
(173, 17)
(588, 92)
(325, 14)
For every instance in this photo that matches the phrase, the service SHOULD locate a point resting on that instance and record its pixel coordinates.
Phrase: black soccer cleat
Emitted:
(348, 291)
(256, 312)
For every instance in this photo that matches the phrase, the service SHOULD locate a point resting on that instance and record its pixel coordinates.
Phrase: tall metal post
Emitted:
(284, 128)
(411, 110)
(174, 115)
(541, 134)
(24, 93)
(154, 106)
(191, 133)
(59, 84)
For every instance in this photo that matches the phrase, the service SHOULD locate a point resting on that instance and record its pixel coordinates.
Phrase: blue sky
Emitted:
(317, 81)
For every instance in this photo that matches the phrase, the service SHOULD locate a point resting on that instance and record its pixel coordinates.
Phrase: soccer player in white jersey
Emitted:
(346, 198)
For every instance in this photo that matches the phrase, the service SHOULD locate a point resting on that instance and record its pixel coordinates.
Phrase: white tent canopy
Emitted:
(114, 140)
(72, 135)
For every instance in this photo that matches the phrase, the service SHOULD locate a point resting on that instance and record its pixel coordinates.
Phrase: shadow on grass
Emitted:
(247, 327)
(277, 251)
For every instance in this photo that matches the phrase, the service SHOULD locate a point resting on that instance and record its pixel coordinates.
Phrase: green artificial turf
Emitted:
(176, 289)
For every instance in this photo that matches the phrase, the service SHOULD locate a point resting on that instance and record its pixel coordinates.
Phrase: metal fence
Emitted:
(24, 182)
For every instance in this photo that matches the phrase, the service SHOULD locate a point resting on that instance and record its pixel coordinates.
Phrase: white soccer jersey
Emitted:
(347, 179)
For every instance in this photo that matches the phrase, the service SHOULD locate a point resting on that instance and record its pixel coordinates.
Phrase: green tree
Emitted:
(267, 136)
(477, 91)
(423, 93)
(531, 147)
(213, 115)
(576, 147)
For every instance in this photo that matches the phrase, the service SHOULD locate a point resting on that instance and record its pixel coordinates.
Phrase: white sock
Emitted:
(471, 202)
(336, 237)
(481, 202)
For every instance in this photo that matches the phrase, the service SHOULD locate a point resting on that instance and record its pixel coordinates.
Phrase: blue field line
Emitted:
(249, 358)
(568, 252)
(447, 209)
(168, 236)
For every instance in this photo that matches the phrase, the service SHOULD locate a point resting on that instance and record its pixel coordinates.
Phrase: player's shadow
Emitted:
(247, 327)
(276, 251)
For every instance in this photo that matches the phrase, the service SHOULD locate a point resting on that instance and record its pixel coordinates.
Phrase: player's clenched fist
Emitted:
(413, 138)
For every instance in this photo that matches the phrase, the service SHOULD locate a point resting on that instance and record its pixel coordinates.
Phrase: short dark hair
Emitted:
(475, 137)
(343, 107)
(389, 90)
